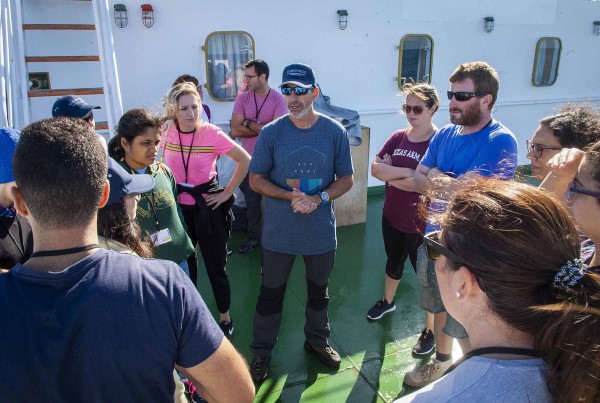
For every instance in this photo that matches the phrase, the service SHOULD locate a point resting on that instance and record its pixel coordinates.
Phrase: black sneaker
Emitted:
(249, 245)
(259, 367)
(380, 308)
(425, 344)
(227, 328)
(326, 353)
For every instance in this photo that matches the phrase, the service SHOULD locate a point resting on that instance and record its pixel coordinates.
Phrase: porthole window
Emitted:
(545, 65)
(226, 54)
(414, 59)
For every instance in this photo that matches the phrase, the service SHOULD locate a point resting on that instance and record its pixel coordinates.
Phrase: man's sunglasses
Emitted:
(418, 109)
(462, 96)
(297, 90)
(435, 249)
(570, 195)
(538, 149)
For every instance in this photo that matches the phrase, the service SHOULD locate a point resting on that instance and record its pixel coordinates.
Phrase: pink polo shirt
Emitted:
(198, 152)
(262, 109)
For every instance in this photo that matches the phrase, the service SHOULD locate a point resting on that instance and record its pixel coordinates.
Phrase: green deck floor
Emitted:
(375, 355)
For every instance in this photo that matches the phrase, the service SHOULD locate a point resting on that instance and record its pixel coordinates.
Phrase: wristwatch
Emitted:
(247, 122)
(324, 197)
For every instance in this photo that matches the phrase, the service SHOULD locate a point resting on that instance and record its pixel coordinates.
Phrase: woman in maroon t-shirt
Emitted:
(395, 165)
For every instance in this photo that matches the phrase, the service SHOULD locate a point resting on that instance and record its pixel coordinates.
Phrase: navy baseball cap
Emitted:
(72, 107)
(299, 74)
(122, 183)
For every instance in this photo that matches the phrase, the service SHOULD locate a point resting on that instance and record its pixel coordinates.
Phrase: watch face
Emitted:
(325, 196)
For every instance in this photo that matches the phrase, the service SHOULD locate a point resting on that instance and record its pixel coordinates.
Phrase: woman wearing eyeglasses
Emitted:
(395, 164)
(575, 175)
(573, 126)
(191, 148)
(508, 267)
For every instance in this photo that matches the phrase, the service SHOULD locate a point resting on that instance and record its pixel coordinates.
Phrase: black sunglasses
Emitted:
(297, 90)
(418, 109)
(538, 149)
(462, 96)
(435, 249)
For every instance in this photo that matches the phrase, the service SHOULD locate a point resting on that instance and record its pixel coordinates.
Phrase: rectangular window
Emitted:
(226, 54)
(414, 59)
(545, 65)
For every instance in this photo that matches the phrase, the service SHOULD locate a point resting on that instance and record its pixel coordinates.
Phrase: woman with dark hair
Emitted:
(135, 147)
(508, 266)
(191, 148)
(402, 227)
(118, 230)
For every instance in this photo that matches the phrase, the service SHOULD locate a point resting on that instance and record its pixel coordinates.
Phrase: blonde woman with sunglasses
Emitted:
(401, 225)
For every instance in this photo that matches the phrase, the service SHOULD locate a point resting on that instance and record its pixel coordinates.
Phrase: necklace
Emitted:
(69, 251)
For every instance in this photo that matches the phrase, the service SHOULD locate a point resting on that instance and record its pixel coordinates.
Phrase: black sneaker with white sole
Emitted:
(380, 308)
(425, 344)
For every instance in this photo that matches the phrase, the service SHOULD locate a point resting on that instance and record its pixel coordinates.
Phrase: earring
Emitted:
(458, 294)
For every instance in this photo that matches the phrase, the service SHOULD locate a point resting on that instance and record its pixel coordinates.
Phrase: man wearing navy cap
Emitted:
(74, 107)
(301, 163)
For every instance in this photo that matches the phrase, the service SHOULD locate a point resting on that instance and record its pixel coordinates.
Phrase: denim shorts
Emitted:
(429, 296)
(429, 292)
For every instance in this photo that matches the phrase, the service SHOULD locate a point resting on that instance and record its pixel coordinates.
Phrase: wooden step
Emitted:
(101, 125)
(52, 59)
(67, 91)
(59, 27)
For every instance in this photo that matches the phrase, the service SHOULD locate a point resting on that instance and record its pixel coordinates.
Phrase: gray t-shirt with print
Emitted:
(309, 160)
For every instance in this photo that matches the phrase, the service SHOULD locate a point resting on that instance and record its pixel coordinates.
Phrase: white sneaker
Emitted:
(427, 373)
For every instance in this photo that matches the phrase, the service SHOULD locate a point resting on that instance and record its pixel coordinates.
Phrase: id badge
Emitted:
(161, 237)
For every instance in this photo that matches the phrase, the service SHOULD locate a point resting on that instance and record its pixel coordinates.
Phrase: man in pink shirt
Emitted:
(252, 110)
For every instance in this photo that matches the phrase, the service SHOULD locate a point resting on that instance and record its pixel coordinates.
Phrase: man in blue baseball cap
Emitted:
(72, 106)
(301, 163)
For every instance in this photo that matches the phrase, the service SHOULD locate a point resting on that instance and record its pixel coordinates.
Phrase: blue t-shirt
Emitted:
(309, 160)
(490, 152)
(109, 328)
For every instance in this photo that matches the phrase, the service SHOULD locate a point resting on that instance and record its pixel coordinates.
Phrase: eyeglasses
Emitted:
(418, 109)
(538, 149)
(249, 77)
(462, 96)
(89, 117)
(435, 249)
(297, 90)
(570, 195)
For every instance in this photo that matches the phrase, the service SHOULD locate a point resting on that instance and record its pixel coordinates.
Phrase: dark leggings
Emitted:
(398, 246)
(214, 254)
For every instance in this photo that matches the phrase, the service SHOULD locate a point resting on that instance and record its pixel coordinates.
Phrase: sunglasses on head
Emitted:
(538, 149)
(462, 96)
(418, 109)
(435, 249)
(297, 90)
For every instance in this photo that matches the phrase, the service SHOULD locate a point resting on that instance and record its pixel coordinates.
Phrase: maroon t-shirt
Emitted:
(401, 207)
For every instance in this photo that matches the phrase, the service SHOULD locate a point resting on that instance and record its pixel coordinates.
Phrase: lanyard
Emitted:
(150, 202)
(70, 251)
(494, 350)
(261, 106)
(186, 164)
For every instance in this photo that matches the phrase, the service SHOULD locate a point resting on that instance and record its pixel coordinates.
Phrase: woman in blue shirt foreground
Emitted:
(507, 261)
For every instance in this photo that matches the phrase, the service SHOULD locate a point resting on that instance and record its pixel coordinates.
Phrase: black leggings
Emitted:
(214, 253)
(398, 246)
